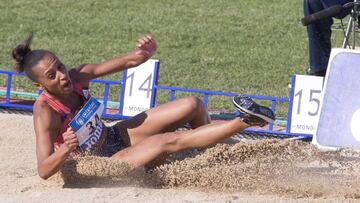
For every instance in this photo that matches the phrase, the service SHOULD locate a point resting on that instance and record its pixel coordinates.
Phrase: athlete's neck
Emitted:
(69, 100)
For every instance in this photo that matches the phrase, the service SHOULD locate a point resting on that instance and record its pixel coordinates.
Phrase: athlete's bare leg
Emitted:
(158, 145)
(165, 118)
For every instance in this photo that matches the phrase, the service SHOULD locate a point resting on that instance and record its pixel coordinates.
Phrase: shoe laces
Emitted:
(246, 102)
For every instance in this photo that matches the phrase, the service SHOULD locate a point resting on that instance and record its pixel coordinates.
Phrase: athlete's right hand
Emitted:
(70, 139)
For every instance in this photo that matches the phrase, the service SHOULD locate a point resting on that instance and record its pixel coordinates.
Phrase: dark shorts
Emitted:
(112, 144)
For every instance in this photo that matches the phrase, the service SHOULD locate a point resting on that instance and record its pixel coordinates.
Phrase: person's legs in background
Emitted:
(319, 35)
(319, 39)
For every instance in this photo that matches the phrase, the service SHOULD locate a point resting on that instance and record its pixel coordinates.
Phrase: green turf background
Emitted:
(248, 46)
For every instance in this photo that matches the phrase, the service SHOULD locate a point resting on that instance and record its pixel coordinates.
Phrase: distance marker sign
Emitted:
(139, 92)
(305, 99)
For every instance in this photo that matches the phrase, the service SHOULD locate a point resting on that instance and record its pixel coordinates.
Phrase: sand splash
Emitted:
(285, 167)
(93, 171)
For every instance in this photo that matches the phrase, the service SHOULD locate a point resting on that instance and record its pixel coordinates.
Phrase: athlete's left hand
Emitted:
(146, 46)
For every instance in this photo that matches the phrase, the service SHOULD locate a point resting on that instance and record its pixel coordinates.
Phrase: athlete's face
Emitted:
(53, 76)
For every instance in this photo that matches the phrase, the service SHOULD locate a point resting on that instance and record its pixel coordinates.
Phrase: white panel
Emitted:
(340, 117)
(306, 99)
(139, 88)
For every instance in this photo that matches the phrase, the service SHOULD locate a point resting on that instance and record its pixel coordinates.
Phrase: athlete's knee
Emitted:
(193, 103)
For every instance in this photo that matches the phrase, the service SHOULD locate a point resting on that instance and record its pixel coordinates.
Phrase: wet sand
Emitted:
(247, 171)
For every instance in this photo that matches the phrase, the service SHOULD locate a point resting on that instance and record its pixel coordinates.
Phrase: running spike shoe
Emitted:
(252, 113)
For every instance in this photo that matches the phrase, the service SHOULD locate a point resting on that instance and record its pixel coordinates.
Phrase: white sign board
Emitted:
(306, 99)
(339, 121)
(139, 91)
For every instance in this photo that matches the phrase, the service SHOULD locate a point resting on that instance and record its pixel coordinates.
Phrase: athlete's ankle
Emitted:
(242, 125)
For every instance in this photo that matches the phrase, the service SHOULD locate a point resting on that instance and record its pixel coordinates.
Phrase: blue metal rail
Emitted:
(173, 90)
(207, 93)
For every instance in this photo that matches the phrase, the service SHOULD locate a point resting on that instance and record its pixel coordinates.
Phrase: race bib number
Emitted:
(87, 124)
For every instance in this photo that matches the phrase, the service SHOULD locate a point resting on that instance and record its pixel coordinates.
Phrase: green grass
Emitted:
(248, 46)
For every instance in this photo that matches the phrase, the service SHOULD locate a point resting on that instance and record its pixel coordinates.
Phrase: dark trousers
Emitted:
(319, 34)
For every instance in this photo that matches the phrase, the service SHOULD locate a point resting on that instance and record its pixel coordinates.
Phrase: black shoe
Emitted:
(316, 73)
(252, 113)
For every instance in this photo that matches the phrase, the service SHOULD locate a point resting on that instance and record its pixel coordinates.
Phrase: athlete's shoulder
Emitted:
(44, 115)
(40, 104)
(42, 109)
(74, 74)
(77, 76)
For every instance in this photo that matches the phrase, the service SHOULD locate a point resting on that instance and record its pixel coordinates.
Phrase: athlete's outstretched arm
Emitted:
(145, 48)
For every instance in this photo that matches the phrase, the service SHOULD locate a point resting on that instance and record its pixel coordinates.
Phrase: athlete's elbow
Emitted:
(43, 174)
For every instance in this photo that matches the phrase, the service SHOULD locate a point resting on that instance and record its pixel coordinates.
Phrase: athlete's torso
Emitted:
(66, 114)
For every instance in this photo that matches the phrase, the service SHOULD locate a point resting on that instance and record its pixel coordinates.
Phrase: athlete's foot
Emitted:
(252, 113)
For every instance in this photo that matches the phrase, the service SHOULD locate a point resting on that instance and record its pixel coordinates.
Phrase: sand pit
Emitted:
(253, 171)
